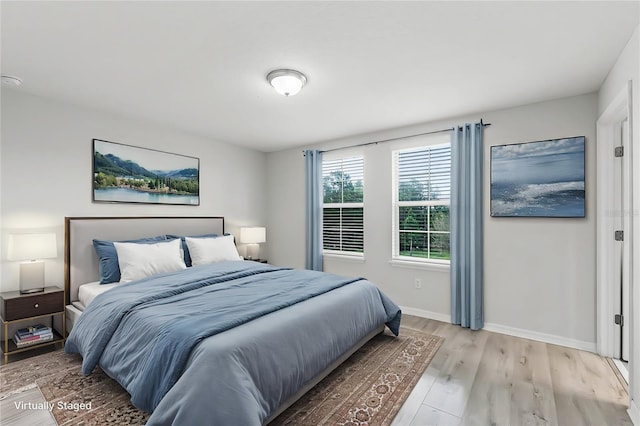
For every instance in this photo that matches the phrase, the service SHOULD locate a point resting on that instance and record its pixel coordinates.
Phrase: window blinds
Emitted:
(343, 208)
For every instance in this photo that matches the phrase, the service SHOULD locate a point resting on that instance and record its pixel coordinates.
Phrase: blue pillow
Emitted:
(185, 248)
(108, 257)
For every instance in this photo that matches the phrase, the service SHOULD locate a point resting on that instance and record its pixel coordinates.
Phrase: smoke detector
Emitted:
(10, 80)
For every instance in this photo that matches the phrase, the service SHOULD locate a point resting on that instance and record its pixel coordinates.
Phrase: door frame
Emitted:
(606, 304)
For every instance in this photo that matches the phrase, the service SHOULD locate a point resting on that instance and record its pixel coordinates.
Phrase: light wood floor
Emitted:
(485, 378)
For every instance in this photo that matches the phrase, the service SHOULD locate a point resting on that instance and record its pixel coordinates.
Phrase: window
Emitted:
(421, 190)
(343, 206)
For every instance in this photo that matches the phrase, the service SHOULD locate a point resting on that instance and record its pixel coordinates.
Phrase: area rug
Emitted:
(367, 389)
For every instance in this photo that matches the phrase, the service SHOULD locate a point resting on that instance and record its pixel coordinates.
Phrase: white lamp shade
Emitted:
(253, 235)
(32, 246)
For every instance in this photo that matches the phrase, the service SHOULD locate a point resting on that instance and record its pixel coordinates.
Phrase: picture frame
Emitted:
(130, 174)
(539, 179)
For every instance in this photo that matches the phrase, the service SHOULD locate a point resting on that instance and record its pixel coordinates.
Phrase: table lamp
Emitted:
(253, 236)
(31, 248)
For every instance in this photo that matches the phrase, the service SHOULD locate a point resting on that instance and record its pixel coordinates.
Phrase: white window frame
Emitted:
(350, 154)
(396, 257)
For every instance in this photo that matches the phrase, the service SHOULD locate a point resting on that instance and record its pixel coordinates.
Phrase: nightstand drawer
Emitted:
(31, 306)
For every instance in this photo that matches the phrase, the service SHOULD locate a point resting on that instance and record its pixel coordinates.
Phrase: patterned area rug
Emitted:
(367, 389)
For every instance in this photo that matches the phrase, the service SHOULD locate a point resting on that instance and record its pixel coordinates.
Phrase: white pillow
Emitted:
(210, 250)
(138, 261)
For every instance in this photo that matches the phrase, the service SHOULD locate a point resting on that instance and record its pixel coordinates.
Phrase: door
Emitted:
(626, 259)
(620, 272)
(614, 213)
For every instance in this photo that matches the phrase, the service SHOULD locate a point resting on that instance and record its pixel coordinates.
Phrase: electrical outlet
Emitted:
(418, 283)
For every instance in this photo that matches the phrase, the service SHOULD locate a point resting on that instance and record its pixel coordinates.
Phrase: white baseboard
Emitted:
(426, 314)
(510, 331)
(541, 337)
(634, 412)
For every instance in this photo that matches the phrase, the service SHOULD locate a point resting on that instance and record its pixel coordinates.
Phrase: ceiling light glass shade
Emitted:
(287, 82)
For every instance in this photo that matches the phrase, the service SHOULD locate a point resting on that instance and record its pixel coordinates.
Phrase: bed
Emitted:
(228, 342)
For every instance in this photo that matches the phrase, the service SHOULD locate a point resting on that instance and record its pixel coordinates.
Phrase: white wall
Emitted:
(627, 68)
(46, 172)
(540, 273)
(540, 277)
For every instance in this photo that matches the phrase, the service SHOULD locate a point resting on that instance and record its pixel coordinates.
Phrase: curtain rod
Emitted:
(398, 138)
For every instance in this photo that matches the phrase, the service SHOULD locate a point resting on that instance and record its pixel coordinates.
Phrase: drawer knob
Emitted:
(36, 306)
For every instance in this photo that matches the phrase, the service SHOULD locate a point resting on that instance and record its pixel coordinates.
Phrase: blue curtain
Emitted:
(313, 161)
(466, 226)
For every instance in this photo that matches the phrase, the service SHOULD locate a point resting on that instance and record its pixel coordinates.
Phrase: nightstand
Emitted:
(16, 307)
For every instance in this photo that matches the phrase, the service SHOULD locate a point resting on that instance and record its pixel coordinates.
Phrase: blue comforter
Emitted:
(144, 333)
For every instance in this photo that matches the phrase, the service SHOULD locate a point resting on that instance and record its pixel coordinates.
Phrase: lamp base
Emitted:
(252, 251)
(31, 277)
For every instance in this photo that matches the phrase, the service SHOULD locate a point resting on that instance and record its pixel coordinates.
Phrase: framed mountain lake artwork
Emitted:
(130, 174)
(539, 179)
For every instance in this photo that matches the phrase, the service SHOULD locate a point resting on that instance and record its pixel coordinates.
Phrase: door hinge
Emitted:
(618, 151)
(619, 319)
(619, 235)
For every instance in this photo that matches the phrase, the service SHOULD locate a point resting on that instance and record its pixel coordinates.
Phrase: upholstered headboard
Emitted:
(80, 260)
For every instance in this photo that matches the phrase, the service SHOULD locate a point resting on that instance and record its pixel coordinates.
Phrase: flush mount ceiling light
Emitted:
(10, 80)
(287, 82)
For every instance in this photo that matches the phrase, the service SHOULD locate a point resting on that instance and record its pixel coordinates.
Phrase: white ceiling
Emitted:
(201, 66)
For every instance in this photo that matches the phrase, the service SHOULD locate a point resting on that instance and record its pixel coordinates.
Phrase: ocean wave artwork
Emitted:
(539, 179)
